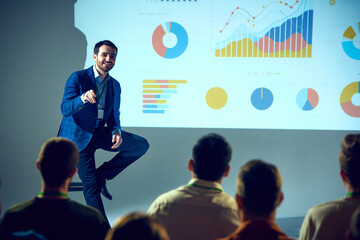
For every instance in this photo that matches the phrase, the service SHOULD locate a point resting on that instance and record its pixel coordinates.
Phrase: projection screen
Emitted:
(230, 63)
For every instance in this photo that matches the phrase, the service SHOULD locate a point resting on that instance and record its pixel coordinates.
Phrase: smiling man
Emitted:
(91, 119)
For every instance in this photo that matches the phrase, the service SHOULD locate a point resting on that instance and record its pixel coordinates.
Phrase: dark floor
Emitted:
(290, 225)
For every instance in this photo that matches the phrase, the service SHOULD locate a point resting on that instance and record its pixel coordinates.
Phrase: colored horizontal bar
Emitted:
(154, 101)
(153, 111)
(159, 91)
(156, 96)
(159, 86)
(155, 106)
(164, 81)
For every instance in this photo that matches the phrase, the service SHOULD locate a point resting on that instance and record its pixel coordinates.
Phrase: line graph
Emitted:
(253, 18)
(287, 36)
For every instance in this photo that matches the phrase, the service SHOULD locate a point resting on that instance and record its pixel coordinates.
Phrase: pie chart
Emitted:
(173, 33)
(307, 99)
(346, 99)
(351, 41)
(262, 98)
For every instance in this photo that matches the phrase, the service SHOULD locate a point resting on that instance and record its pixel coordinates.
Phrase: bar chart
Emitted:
(289, 38)
(156, 94)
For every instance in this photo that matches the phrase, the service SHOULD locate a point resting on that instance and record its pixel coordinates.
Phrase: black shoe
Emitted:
(105, 191)
(75, 186)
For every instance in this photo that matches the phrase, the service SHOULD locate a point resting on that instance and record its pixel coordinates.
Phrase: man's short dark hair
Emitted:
(211, 155)
(104, 42)
(57, 158)
(138, 226)
(349, 158)
(259, 185)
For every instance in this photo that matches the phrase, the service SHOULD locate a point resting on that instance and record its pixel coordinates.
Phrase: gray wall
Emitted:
(40, 48)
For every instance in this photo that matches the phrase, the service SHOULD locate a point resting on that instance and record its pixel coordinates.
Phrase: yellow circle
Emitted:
(216, 98)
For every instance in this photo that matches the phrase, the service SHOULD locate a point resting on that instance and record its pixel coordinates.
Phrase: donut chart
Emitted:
(307, 99)
(178, 31)
(345, 99)
(262, 98)
(350, 35)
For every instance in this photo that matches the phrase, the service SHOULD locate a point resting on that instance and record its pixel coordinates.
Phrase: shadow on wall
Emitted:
(40, 48)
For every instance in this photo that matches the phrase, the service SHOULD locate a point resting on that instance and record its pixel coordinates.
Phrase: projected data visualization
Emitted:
(156, 94)
(307, 99)
(351, 41)
(292, 64)
(262, 98)
(346, 99)
(171, 33)
(285, 38)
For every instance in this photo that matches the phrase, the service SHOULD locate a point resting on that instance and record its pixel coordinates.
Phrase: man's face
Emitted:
(105, 59)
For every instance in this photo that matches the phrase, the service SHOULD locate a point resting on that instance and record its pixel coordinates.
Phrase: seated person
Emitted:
(201, 209)
(51, 213)
(137, 226)
(330, 220)
(258, 195)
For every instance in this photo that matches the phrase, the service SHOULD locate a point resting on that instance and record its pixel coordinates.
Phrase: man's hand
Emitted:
(90, 96)
(117, 140)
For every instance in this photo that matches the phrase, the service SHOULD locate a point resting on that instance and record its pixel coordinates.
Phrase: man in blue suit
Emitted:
(91, 119)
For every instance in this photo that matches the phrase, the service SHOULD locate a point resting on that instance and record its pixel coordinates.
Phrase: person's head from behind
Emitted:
(354, 231)
(57, 161)
(258, 190)
(137, 226)
(349, 160)
(210, 158)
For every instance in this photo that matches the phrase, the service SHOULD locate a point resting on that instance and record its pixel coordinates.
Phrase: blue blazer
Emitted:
(79, 119)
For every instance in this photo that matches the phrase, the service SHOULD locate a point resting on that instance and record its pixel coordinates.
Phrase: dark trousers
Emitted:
(131, 148)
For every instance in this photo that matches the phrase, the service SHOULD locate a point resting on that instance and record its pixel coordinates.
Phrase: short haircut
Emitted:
(137, 226)
(259, 185)
(104, 42)
(57, 158)
(355, 225)
(349, 158)
(211, 155)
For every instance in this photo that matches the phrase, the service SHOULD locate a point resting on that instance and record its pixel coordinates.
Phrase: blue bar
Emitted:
(155, 106)
(153, 111)
(310, 26)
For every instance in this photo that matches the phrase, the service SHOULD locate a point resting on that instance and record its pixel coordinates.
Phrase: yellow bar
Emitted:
(152, 91)
(287, 53)
(223, 52)
(255, 50)
(250, 47)
(168, 81)
(217, 52)
(233, 48)
(239, 48)
(244, 47)
(228, 49)
(309, 51)
(304, 51)
(159, 86)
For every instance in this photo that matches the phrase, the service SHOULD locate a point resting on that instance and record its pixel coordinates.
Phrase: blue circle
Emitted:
(262, 98)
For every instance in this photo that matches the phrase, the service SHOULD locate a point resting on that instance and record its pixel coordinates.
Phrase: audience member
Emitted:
(137, 226)
(330, 220)
(201, 209)
(354, 231)
(51, 213)
(258, 195)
